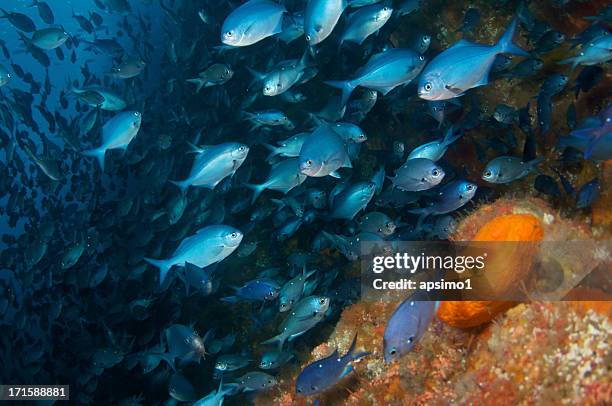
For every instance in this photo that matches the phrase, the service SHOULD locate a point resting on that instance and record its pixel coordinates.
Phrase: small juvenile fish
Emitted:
(289, 147)
(325, 373)
(306, 314)
(506, 169)
(417, 174)
(269, 118)
(128, 69)
(256, 381)
(231, 362)
(421, 43)
(258, 289)
(215, 75)
(274, 359)
(292, 290)
(451, 197)
(599, 50)
(528, 67)
(184, 343)
(352, 200)
(435, 150)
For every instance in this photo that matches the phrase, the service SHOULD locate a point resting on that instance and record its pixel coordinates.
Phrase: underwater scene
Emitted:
(306, 202)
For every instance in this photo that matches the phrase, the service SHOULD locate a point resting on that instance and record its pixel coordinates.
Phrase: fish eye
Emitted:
(309, 162)
(234, 235)
(313, 387)
(322, 300)
(410, 339)
(421, 57)
(308, 38)
(488, 174)
(470, 187)
(299, 390)
(427, 86)
(229, 34)
(392, 351)
(435, 172)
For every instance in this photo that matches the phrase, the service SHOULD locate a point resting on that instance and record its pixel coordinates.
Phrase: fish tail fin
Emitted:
(98, 153)
(257, 189)
(279, 340)
(352, 355)
(256, 74)
(273, 151)
(505, 44)
(591, 147)
(347, 87)
(450, 137)
(423, 213)
(198, 82)
(573, 60)
(181, 184)
(305, 59)
(535, 162)
(193, 149)
(164, 266)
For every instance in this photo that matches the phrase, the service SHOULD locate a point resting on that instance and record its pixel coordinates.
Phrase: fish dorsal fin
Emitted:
(462, 43)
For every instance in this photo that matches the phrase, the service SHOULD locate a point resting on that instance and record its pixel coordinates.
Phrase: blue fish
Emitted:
(320, 18)
(451, 197)
(352, 200)
(417, 174)
(118, 132)
(598, 132)
(506, 169)
(597, 51)
(365, 22)
(213, 164)
(209, 245)
(251, 22)
(325, 373)
(407, 325)
(464, 66)
(435, 150)
(258, 290)
(323, 153)
(283, 176)
(383, 72)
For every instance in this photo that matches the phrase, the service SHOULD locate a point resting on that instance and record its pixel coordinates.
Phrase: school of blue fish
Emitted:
(182, 219)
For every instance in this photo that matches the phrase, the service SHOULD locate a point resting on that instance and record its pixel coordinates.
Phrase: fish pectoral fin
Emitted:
(347, 370)
(453, 89)
(335, 174)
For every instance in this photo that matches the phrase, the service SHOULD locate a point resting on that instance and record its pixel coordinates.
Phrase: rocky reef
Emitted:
(479, 353)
